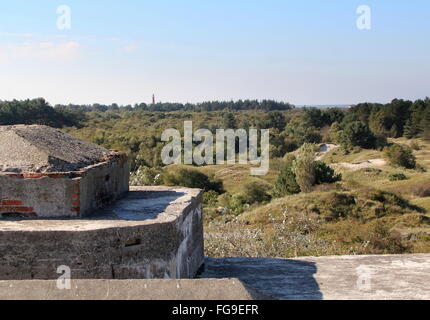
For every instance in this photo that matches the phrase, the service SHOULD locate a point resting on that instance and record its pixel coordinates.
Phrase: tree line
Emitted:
(263, 105)
(37, 111)
(364, 125)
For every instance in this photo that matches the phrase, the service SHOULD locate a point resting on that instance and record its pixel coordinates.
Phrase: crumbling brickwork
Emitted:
(100, 178)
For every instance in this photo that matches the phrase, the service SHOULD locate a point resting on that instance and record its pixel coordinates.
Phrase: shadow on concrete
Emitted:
(134, 206)
(140, 205)
(284, 279)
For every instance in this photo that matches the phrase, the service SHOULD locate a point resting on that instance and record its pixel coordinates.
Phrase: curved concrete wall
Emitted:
(153, 232)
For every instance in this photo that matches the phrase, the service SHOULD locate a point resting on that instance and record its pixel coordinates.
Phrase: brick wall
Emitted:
(15, 208)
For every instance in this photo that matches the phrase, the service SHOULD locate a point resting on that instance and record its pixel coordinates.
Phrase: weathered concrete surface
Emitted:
(205, 289)
(36, 148)
(64, 195)
(333, 278)
(154, 232)
(45, 173)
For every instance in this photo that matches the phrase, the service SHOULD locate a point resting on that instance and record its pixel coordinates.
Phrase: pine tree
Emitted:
(425, 125)
(394, 131)
(414, 124)
(229, 121)
(408, 131)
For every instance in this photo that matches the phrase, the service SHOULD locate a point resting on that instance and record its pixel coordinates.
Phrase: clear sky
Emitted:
(300, 51)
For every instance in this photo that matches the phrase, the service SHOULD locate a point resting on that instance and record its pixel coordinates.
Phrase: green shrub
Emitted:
(379, 203)
(385, 241)
(357, 134)
(325, 174)
(192, 178)
(238, 204)
(402, 156)
(145, 176)
(210, 198)
(286, 183)
(397, 177)
(255, 192)
(336, 206)
(304, 167)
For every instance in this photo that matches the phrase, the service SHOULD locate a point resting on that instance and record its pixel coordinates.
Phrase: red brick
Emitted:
(33, 175)
(57, 175)
(15, 209)
(11, 203)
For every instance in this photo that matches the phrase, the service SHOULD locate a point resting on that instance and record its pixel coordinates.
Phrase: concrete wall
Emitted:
(166, 244)
(32, 198)
(63, 195)
(103, 184)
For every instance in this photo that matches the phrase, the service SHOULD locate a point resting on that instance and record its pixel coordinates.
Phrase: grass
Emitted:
(423, 203)
(366, 213)
(359, 155)
(297, 226)
(235, 176)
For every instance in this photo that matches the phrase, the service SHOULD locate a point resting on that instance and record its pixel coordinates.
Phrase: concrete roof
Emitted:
(384, 277)
(142, 206)
(36, 148)
(203, 289)
(376, 277)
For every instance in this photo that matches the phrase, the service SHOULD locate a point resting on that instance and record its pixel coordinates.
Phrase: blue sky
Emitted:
(301, 51)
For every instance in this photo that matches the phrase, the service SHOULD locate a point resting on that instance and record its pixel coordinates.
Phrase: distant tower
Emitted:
(153, 99)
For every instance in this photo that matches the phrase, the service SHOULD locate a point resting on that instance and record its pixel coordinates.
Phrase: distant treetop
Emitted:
(264, 105)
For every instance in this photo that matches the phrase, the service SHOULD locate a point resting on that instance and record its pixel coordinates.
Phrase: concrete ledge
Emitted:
(154, 232)
(205, 289)
(378, 277)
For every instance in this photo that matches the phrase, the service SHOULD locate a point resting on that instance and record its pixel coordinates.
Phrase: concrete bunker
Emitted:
(46, 173)
(66, 202)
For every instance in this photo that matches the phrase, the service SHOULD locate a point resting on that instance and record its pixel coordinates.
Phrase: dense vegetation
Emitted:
(37, 111)
(369, 194)
(264, 105)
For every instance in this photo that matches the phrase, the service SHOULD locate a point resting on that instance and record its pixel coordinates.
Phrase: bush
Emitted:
(397, 177)
(286, 183)
(380, 142)
(383, 240)
(210, 198)
(337, 206)
(304, 167)
(192, 178)
(238, 204)
(145, 176)
(255, 192)
(357, 134)
(402, 156)
(325, 174)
